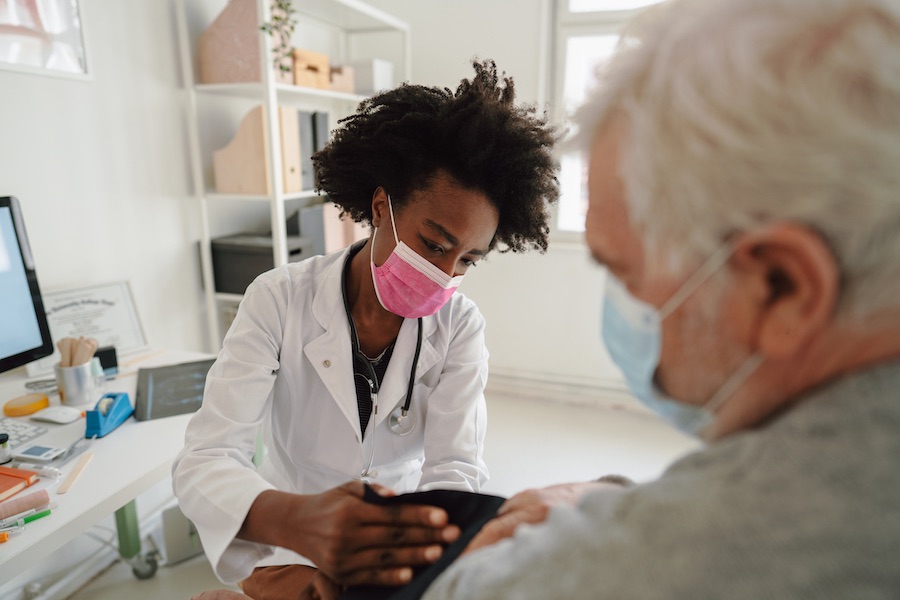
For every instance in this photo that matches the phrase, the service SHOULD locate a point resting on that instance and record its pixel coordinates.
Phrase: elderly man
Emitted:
(744, 181)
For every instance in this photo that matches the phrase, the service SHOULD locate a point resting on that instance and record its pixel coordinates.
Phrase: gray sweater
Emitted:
(806, 506)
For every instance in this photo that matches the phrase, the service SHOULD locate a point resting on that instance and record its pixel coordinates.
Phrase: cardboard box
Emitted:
(228, 50)
(239, 259)
(311, 69)
(373, 75)
(342, 79)
(242, 166)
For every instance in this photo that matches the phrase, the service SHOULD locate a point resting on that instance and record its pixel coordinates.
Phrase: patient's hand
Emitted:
(531, 506)
(321, 588)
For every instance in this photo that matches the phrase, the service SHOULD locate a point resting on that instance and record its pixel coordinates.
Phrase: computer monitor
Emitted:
(25, 334)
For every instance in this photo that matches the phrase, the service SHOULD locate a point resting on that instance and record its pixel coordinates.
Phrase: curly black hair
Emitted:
(401, 138)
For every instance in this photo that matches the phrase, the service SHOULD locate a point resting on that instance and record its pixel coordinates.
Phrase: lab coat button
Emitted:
(326, 363)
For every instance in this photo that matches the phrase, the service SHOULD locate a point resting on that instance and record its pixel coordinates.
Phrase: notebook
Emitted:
(14, 480)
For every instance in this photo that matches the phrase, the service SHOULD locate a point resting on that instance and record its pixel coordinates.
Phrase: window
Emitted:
(587, 32)
(600, 6)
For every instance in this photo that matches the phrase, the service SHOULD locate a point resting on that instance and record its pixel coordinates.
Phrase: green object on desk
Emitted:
(36, 516)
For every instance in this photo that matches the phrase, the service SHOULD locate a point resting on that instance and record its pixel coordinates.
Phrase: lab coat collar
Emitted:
(330, 353)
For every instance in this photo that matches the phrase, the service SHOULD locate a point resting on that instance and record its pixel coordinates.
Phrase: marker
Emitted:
(36, 516)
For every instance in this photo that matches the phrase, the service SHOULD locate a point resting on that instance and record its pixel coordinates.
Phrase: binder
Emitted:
(307, 148)
(320, 129)
(290, 150)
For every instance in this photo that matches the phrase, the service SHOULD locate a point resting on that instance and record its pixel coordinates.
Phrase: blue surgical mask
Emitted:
(632, 332)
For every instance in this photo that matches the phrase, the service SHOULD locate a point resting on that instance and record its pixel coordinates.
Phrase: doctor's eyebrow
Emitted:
(450, 237)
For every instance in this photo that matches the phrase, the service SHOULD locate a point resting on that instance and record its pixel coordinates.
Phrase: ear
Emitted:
(790, 274)
(379, 206)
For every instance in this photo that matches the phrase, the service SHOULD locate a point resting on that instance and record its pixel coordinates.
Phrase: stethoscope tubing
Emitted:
(402, 423)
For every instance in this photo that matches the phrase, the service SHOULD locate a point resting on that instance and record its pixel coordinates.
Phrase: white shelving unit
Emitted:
(344, 29)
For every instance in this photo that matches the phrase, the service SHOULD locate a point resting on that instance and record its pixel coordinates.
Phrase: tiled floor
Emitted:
(530, 443)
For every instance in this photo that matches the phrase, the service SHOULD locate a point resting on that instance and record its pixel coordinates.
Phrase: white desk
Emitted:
(126, 463)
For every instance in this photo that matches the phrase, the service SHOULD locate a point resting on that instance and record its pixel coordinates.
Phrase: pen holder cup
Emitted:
(82, 384)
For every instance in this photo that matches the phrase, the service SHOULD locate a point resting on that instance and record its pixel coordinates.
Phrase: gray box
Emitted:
(312, 227)
(180, 538)
(373, 75)
(238, 259)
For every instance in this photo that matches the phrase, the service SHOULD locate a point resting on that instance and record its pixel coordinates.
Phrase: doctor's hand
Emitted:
(351, 541)
(530, 507)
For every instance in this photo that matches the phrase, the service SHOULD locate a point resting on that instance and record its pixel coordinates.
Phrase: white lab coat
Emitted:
(286, 365)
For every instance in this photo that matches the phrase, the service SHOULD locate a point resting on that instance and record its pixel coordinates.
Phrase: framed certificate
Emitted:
(104, 312)
(43, 37)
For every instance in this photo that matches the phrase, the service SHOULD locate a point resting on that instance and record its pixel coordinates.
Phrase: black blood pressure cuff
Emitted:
(467, 510)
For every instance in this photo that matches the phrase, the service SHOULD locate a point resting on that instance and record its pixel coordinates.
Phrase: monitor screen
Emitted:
(23, 323)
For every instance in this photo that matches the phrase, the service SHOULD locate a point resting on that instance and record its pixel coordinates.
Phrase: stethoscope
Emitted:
(401, 421)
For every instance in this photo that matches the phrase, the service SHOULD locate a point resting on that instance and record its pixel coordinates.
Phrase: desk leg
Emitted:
(260, 449)
(143, 566)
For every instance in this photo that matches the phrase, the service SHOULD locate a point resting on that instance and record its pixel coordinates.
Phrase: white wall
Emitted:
(542, 310)
(101, 169)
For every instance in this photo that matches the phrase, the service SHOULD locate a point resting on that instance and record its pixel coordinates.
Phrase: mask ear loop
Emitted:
(712, 264)
(736, 380)
(393, 226)
(375, 233)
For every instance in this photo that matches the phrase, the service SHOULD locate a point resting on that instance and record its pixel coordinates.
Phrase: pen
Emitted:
(4, 535)
(15, 525)
(42, 470)
(11, 520)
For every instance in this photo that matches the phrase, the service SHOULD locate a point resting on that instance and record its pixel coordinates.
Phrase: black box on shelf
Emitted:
(238, 259)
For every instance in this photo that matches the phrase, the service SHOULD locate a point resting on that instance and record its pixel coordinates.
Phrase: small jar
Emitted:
(5, 453)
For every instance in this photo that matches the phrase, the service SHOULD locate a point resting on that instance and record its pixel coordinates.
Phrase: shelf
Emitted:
(350, 15)
(347, 29)
(286, 92)
(223, 297)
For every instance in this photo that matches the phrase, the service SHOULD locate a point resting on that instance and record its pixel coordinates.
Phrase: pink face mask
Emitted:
(407, 284)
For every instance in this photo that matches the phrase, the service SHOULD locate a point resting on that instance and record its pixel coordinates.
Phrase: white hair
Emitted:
(745, 112)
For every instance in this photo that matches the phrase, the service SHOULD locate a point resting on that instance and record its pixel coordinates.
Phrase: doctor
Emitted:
(365, 365)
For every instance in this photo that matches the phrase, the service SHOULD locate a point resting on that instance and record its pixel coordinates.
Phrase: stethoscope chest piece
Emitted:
(400, 423)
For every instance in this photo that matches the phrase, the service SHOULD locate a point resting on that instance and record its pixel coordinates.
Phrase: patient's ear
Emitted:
(793, 280)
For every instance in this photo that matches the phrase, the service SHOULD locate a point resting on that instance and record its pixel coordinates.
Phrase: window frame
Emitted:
(567, 24)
